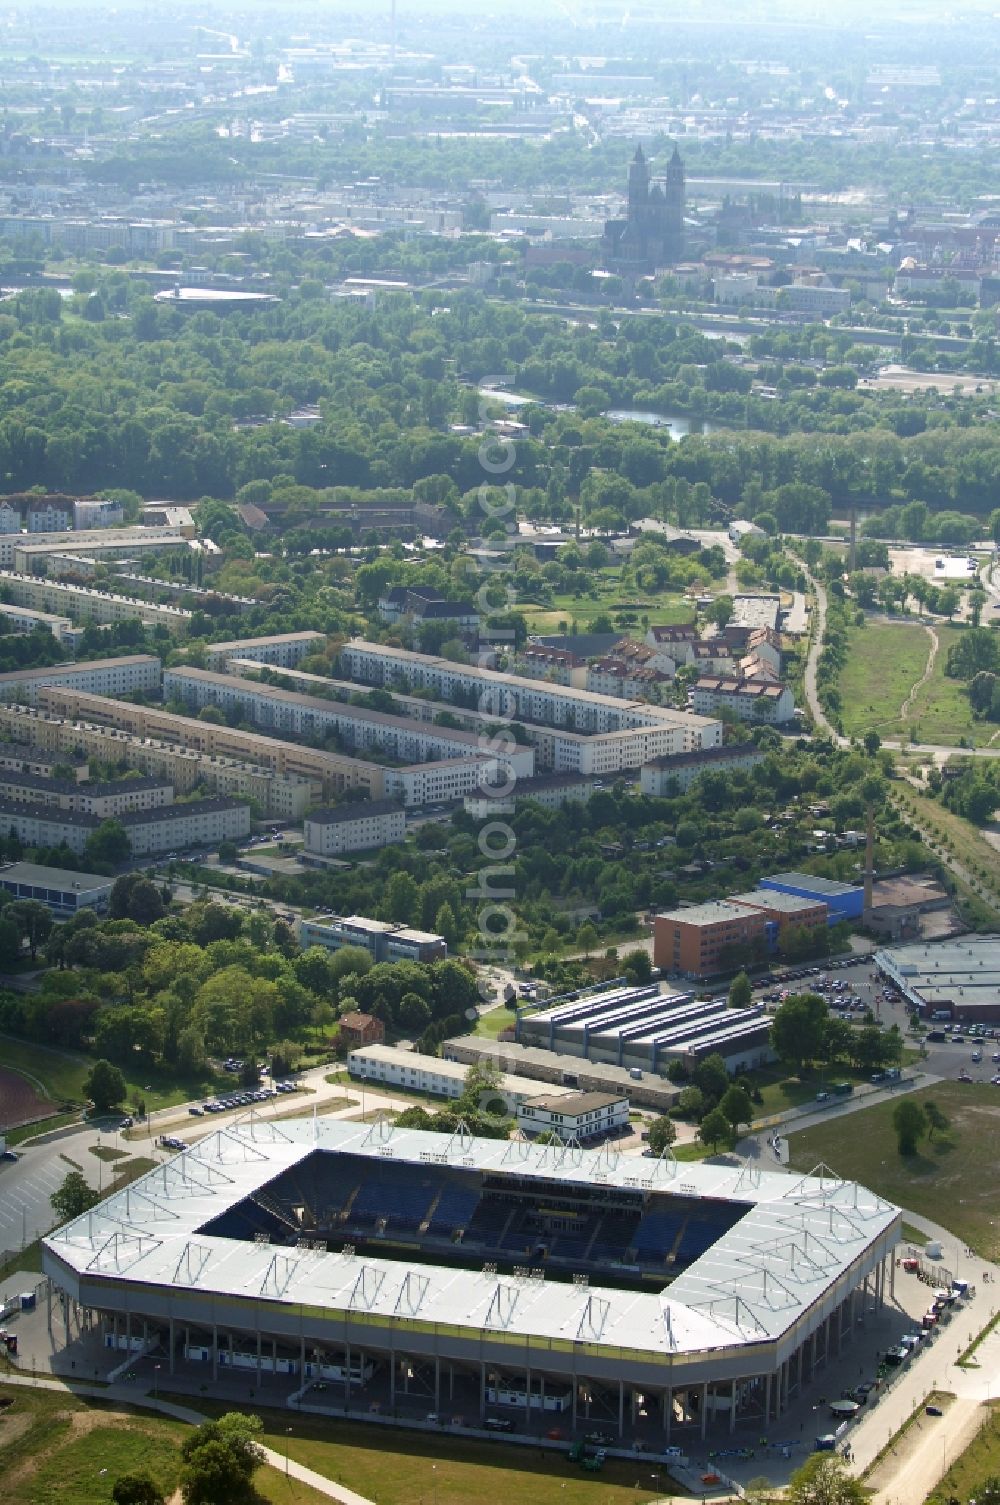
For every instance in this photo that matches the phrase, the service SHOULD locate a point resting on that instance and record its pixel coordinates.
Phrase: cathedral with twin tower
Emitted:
(652, 233)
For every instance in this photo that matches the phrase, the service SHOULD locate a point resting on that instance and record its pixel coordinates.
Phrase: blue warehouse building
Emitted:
(844, 901)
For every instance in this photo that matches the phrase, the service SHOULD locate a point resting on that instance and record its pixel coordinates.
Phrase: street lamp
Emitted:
(156, 1381)
(288, 1433)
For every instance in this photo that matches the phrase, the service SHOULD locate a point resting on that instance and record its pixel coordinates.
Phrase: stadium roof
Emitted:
(797, 1236)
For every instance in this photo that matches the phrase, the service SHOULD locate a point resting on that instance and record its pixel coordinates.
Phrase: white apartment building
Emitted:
(49, 515)
(353, 828)
(574, 1115)
(97, 512)
(308, 715)
(389, 1066)
(108, 800)
(81, 553)
(284, 650)
(67, 538)
(202, 823)
(570, 716)
(281, 796)
(23, 619)
(82, 603)
(115, 677)
(757, 700)
(10, 518)
(444, 780)
(659, 777)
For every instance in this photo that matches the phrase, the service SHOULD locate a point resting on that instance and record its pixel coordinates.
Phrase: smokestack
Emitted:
(869, 859)
(852, 562)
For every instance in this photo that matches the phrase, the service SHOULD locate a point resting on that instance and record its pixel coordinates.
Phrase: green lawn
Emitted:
(56, 1449)
(409, 1468)
(951, 1179)
(884, 661)
(980, 1460)
(490, 1024)
(941, 711)
(60, 1074)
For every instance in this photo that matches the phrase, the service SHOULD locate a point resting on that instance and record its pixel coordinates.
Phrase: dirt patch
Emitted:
(20, 1101)
(13, 1426)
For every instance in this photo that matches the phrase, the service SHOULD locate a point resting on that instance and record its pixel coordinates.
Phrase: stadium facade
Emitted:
(495, 1277)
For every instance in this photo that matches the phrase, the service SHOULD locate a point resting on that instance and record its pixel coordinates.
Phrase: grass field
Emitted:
(951, 1179)
(884, 661)
(980, 1460)
(941, 711)
(401, 1468)
(58, 1450)
(60, 1074)
(660, 608)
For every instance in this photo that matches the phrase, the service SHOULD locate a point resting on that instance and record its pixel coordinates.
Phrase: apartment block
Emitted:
(77, 551)
(21, 619)
(353, 828)
(25, 757)
(758, 699)
(100, 676)
(307, 715)
(336, 773)
(385, 941)
(107, 800)
(169, 827)
(660, 777)
(82, 603)
(280, 796)
(284, 650)
(68, 539)
(700, 941)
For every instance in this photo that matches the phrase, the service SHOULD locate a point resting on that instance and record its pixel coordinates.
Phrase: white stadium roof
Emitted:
(798, 1235)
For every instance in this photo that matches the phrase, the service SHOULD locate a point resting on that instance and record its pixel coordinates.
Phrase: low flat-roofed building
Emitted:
(353, 828)
(783, 912)
(756, 611)
(844, 901)
(393, 1066)
(384, 939)
(575, 1115)
(952, 979)
(63, 891)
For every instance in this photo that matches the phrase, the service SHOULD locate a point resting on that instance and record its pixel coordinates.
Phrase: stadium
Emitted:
(483, 1283)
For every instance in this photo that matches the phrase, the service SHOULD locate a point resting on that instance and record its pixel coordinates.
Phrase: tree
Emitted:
(736, 1105)
(910, 1123)
(33, 920)
(823, 1480)
(691, 1102)
(715, 1129)
(797, 1030)
(987, 1493)
(712, 1076)
(109, 844)
(220, 1459)
(662, 1133)
(105, 1086)
(872, 742)
(937, 1119)
(73, 1198)
(740, 991)
(136, 1489)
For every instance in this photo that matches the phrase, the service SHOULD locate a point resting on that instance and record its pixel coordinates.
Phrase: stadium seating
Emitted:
(454, 1209)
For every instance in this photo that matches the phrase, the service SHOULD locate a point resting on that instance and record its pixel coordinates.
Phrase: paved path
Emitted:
(127, 1397)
